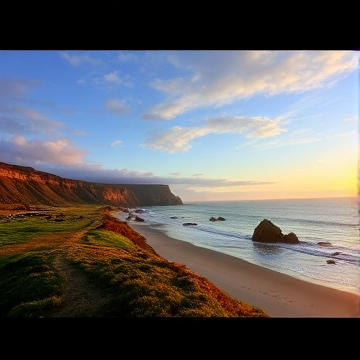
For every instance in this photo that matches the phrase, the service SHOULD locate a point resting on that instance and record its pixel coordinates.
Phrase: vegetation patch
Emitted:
(29, 284)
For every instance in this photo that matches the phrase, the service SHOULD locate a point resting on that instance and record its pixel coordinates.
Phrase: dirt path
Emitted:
(81, 298)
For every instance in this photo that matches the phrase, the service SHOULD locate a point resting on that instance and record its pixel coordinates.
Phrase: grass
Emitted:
(116, 261)
(17, 230)
(29, 284)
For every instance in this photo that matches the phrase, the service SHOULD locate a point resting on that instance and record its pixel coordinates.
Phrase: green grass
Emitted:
(20, 230)
(108, 238)
(29, 284)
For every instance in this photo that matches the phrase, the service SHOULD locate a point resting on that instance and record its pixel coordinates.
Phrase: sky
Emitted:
(212, 124)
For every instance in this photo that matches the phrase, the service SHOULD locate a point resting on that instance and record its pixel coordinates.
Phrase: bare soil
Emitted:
(81, 298)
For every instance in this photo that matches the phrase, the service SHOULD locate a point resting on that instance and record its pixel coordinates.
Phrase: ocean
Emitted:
(332, 220)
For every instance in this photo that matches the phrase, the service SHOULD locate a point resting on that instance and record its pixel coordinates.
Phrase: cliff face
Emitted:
(150, 195)
(25, 185)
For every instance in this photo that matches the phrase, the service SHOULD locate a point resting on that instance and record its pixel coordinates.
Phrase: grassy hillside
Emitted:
(82, 262)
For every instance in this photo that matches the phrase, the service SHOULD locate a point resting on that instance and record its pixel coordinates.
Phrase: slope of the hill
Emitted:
(26, 186)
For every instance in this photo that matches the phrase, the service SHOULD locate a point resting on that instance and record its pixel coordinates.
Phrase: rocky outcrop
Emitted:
(220, 218)
(27, 186)
(324, 243)
(267, 232)
(291, 238)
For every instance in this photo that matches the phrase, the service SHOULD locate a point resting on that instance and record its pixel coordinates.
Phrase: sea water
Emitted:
(331, 220)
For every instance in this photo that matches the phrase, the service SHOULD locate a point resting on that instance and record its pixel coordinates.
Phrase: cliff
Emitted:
(27, 186)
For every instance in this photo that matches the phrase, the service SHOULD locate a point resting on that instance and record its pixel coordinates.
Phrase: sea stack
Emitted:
(267, 232)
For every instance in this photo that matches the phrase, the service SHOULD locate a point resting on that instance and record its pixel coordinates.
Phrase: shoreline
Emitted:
(278, 294)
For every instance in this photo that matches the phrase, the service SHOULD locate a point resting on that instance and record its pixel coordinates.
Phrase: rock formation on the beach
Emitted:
(267, 232)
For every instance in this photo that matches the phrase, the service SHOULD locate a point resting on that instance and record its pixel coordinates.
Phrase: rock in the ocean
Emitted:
(220, 218)
(291, 238)
(188, 224)
(324, 243)
(267, 232)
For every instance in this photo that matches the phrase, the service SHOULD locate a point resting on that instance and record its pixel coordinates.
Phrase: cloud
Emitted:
(60, 151)
(352, 118)
(177, 139)
(41, 123)
(341, 135)
(78, 59)
(16, 87)
(116, 106)
(96, 173)
(216, 78)
(14, 91)
(114, 79)
(27, 121)
(299, 137)
(62, 158)
(127, 57)
(267, 145)
(117, 143)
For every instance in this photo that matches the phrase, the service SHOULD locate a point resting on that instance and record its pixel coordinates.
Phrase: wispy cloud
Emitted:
(27, 121)
(96, 173)
(77, 59)
(116, 106)
(217, 78)
(127, 57)
(60, 151)
(299, 137)
(272, 144)
(177, 138)
(114, 79)
(349, 133)
(16, 87)
(352, 118)
(117, 143)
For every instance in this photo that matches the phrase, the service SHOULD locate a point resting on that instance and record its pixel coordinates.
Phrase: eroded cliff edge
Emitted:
(27, 186)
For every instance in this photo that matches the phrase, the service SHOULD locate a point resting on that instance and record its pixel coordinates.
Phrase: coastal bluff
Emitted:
(25, 186)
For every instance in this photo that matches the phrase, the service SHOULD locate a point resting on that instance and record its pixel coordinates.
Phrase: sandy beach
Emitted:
(278, 294)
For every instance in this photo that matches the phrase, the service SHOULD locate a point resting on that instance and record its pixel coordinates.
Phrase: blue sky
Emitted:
(213, 125)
